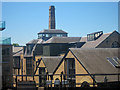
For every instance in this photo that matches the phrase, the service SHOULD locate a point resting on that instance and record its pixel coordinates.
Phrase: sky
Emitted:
(25, 19)
(60, 0)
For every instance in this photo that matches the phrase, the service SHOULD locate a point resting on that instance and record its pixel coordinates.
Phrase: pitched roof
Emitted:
(35, 41)
(83, 39)
(63, 39)
(95, 43)
(95, 61)
(51, 62)
(47, 31)
(17, 50)
(18, 53)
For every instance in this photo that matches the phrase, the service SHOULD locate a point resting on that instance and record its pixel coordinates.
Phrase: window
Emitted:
(42, 77)
(115, 45)
(28, 71)
(114, 61)
(16, 62)
(29, 48)
(94, 36)
(47, 35)
(90, 37)
(5, 51)
(70, 67)
(39, 36)
(64, 35)
(70, 71)
(15, 71)
(58, 35)
(29, 66)
(53, 35)
(43, 35)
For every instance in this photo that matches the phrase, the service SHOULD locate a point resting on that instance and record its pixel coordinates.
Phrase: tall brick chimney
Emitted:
(51, 17)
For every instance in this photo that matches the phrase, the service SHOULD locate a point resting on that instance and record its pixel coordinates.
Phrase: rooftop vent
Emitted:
(94, 36)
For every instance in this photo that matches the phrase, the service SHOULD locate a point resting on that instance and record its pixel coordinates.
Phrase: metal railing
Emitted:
(48, 80)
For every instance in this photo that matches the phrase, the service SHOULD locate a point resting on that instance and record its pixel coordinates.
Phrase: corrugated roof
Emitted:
(95, 61)
(51, 62)
(47, 31)
(63, 39)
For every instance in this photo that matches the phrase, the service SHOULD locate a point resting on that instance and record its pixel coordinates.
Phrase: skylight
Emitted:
(114, 61)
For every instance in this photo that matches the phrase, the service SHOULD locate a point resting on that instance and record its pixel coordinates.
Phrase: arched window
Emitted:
(115, 44)
(57, 82)
(85, 84)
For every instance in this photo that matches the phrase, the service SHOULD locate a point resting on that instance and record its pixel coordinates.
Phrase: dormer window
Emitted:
(94, 36)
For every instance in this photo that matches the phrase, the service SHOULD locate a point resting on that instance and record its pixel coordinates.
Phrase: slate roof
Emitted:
(51, 62)
(17, 50)
(47, 31)
(18, 53)
(63, 39)
(35, 41)
(95, 43)
(83, 39)
(95, 61)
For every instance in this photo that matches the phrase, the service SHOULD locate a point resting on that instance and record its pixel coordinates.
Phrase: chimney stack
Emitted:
(51, 17)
